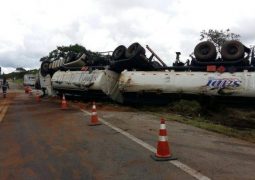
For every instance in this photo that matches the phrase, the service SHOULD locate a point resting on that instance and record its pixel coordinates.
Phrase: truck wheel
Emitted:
(232, 50)
(119, 52)
(45, 68)
(134, 49)
(205, 51)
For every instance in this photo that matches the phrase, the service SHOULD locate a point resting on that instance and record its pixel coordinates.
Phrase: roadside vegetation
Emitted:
(230, 121)
(19, 83)
(18, 76)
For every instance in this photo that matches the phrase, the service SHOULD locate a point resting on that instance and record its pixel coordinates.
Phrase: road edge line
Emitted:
(3, 111)
(194, 173)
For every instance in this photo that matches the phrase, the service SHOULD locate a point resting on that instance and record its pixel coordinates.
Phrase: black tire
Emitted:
(119, 53)
(232, 50)
(45, 68)
(205, 51)
(134, 49)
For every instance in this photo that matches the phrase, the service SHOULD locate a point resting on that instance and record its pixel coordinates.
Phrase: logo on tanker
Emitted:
(223, 83)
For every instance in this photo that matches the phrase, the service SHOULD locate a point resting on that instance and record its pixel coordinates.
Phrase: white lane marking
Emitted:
(177, 163)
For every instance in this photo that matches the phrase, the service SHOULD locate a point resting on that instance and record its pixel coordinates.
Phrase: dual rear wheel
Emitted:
(230, 50)
(121, 52)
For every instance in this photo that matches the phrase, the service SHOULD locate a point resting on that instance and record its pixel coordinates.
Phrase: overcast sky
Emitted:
(30, 29)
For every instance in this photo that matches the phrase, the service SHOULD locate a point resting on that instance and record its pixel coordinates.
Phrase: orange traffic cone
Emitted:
(37, 96)
(30, 91)
(63, 103)
(94, 119)
(163, 151)
(26, 89)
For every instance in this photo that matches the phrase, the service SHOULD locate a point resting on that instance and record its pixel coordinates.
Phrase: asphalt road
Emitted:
(41, 141)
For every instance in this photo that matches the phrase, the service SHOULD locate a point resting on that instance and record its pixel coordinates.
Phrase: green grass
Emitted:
(245, 134)
(233, 122)
(18, 81)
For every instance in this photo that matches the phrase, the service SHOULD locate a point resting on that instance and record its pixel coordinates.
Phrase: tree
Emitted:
(75, 48)
(218, 37)
(20, 69)
(71, 52)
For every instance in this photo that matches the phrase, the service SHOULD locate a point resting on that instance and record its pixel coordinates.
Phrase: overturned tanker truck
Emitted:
(128, 76)
(92, 75)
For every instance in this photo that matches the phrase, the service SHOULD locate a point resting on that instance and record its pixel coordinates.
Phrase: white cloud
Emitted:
(32, 28)
(7, 70)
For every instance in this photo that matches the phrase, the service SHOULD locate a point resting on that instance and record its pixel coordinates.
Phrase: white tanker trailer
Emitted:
(102, 82)
(144, 84)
